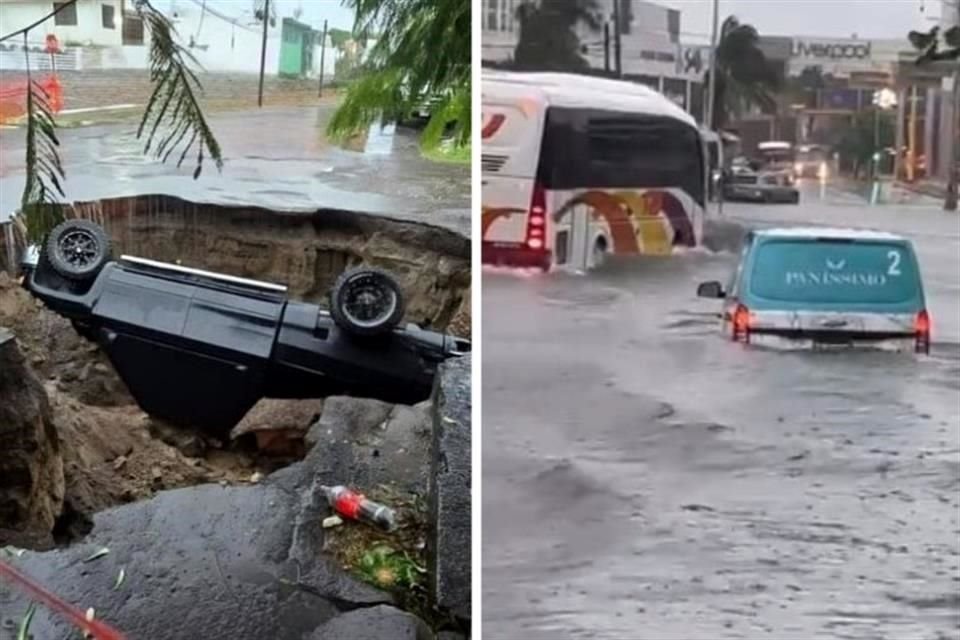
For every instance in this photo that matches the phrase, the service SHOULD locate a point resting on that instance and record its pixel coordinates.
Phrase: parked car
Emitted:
(750, 186)
(200, 348)
(822, 286)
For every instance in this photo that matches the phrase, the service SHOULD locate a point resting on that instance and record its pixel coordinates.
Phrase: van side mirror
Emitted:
(712, 289)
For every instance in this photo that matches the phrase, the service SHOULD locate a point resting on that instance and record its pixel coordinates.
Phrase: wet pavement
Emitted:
(644, 478)
(277, 157)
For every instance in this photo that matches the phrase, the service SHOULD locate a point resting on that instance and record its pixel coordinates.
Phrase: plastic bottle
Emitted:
(355, 506)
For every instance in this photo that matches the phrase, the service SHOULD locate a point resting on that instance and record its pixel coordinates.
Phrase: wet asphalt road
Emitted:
(643, 478)
(277, 157)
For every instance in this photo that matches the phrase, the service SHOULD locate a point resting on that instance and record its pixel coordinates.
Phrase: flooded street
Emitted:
(277, 157)
(646, 478)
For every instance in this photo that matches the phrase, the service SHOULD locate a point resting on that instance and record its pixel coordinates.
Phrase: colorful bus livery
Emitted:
(576, 168)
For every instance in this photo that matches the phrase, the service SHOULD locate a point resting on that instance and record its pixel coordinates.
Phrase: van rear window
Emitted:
(835, 272)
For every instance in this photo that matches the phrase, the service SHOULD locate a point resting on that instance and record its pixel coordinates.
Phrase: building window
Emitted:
(673, 24)
(626, 16)
(506, 15)
(106, 15)
(67, 17)
(491, 21)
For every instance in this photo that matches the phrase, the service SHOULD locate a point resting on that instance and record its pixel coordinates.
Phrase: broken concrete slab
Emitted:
(364, 443)
(225, 547)
(449, 496)
(376, 623)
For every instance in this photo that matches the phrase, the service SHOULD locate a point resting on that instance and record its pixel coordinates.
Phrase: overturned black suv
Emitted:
(200, 349)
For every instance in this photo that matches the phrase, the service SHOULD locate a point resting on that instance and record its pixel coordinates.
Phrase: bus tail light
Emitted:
(921, 328)
(537, 218)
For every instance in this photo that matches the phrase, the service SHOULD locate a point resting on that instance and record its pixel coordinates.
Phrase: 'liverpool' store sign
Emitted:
(831, 50)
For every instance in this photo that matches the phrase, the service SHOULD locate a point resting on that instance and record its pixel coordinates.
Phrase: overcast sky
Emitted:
(836, 18)
(314, 11)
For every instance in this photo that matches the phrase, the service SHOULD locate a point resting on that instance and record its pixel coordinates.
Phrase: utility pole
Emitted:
(606, 46)
(323, 52)
(263, 49)
(950, 202)
(618, 58)
(712, 89)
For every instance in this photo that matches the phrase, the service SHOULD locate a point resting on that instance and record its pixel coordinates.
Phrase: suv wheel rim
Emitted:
(367, 303)
(79, 248)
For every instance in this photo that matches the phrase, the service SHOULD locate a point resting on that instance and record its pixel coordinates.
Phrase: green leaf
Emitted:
(23, 632)
(99, 553)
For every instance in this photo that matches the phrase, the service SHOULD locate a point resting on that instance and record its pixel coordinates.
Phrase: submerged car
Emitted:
(824, 286)
(750, 186)
(200, 348)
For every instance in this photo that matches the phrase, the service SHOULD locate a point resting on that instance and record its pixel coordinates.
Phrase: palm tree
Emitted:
(745, 77)
(929, 46)
(422, 55)
(548, 38)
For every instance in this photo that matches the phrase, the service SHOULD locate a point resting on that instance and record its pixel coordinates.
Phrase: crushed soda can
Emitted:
(355, 506)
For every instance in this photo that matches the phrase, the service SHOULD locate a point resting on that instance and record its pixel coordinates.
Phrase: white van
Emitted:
(576, 167)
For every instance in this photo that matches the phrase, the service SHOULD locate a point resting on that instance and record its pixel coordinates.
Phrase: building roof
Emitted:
(574, 90)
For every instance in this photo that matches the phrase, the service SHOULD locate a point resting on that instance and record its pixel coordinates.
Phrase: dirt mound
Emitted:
(111, 458)
(56, 352)
(31, 469)
(76, 443)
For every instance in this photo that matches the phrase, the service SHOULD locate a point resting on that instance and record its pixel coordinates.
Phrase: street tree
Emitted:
(422, 55)
(548, 38)
(933, 46)
(172, 119)
(745, 77)
(867, 139)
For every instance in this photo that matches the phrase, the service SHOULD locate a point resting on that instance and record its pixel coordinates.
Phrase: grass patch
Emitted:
(448, 153)
(393, 561)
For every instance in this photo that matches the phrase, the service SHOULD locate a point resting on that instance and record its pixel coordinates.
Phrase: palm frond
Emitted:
(44, 171)
(173, 111)
(420, 56)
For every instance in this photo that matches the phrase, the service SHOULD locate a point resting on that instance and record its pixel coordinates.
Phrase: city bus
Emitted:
(577, 168)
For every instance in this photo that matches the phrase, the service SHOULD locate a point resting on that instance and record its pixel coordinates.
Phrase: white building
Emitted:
(108, 34)
(650, 48)
(87, 22)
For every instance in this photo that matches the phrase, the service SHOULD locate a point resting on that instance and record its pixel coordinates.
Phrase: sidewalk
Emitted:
(933, 188)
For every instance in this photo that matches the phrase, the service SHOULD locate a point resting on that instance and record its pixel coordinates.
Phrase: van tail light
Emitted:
(537, 218)
(741, 324)
(921, 328)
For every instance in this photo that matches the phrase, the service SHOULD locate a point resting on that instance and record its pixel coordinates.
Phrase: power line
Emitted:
(234, 21)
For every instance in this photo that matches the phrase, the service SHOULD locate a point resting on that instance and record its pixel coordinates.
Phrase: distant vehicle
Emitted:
(199, 349)
(776, 155)
(824, 286)
(749, 186)
(576, 168)
(810, 161)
